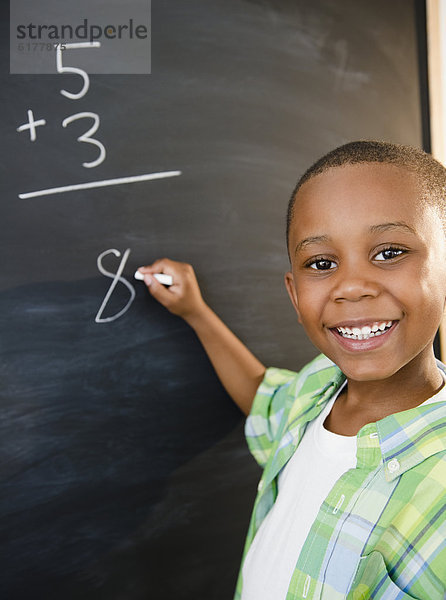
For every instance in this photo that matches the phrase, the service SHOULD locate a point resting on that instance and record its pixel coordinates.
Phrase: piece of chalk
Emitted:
(161, 277)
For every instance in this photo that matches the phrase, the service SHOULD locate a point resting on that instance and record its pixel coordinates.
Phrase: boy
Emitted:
(352, 500)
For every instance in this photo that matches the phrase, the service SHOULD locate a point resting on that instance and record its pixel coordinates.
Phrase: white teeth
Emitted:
(363, 333)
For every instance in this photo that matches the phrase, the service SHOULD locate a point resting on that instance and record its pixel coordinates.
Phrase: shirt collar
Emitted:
(403, 440)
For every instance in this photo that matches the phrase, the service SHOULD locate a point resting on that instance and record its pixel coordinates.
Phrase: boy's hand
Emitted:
(183, 297)
(238, 369)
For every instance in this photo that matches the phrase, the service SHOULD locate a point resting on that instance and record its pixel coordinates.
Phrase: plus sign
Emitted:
(31, 125)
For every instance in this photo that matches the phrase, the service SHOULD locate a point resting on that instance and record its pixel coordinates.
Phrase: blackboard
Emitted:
(124, 470)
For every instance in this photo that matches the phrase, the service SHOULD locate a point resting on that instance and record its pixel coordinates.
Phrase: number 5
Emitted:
(86, 136)
(61, 69)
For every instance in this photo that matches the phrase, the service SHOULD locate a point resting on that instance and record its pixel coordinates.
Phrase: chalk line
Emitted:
(97, 184)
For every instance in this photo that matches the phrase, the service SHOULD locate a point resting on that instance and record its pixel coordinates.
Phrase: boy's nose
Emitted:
(354, 288)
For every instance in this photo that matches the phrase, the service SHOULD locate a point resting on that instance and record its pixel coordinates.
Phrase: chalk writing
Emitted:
(31, 125)
(103, 183)
(61, 69)
(85, 137)
(116, 278)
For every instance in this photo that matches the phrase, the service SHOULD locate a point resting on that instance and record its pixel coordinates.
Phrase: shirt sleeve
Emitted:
(264, 419)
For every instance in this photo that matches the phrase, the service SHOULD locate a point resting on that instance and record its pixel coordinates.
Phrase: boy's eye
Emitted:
(389, 253)
(322, 264)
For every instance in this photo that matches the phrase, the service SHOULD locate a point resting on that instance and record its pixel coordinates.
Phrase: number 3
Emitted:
(86, 136)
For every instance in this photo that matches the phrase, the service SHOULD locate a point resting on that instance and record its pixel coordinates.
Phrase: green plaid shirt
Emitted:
(381, 531)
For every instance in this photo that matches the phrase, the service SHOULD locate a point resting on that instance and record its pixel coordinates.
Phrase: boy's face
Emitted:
(368, 277)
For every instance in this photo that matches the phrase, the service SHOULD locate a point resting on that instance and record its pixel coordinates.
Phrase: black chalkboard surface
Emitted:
(124, 471)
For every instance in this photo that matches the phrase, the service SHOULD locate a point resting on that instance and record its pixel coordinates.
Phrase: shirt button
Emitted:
(393, 465)
(260, 486)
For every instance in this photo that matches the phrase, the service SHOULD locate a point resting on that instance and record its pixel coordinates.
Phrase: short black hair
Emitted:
(430, 173)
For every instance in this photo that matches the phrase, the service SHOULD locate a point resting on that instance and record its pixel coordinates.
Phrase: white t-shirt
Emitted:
(318, 462)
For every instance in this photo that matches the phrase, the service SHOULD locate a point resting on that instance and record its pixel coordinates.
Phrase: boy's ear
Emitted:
(292, 293)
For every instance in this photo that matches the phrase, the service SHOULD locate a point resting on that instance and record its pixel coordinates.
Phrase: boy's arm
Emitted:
(238, 369)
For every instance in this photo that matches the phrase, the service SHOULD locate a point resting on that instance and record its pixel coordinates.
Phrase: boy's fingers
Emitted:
(158, 291)
(163, 265)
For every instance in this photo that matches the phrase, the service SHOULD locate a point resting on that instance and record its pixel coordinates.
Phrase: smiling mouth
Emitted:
(365, 332)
